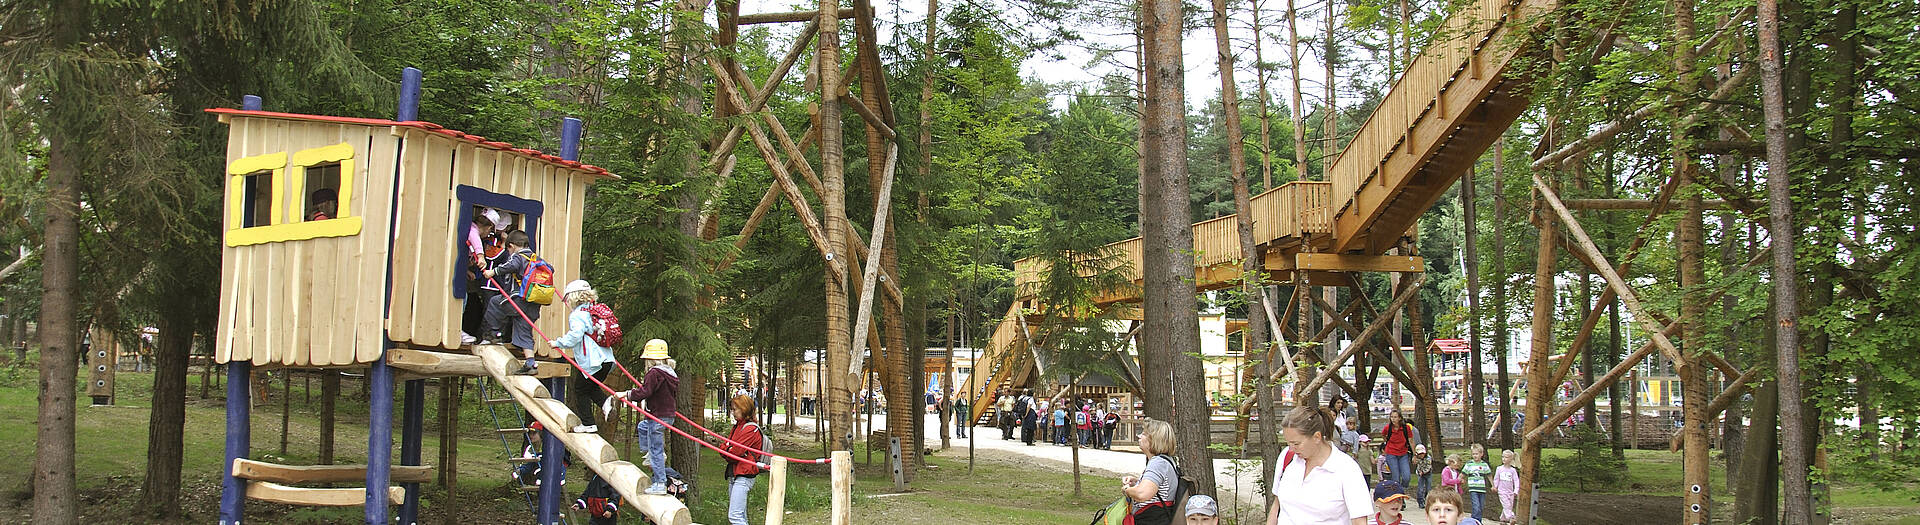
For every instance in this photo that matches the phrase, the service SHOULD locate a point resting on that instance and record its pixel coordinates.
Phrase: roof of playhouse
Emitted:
(584, 168)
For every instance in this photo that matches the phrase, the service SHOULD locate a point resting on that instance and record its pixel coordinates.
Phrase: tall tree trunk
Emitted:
(1587, 309)
(1171, 336)
(1696, 377)
(842, 380)
(1476, 419)
(166, 424)
(1539, 393)
(1500, 328)
(53, 473)
(329, 396)
(1786, 293)
(1330, 125)
(1614, 343)
(1266, 115)
(1253, 262)
(1299, 118)
(926, 171)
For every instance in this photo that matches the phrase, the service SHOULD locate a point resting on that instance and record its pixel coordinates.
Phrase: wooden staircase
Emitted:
(587, 449)
(1010, 357)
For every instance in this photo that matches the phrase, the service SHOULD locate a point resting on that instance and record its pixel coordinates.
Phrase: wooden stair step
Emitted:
(341, 497)
(244, 468)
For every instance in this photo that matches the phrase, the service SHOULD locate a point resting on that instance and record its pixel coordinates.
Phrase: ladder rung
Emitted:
(513, 430)
(501, 400)
(522, 460)
(529, 488)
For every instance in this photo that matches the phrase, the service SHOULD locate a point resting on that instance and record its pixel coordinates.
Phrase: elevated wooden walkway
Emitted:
(1443, 112)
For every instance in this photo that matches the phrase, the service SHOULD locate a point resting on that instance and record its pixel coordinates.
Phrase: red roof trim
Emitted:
(429, 127)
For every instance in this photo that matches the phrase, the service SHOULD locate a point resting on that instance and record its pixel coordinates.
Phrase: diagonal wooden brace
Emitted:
(1333, 368)
(1627, 297)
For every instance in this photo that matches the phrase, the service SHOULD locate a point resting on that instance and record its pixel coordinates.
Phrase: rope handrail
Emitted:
(636, 407)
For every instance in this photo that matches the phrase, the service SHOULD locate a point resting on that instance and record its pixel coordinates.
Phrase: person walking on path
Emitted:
(1155, 492)
(658, 391)
(1003, 410)
(962, 417)
(1506, 482)
(1478, 472)
(1397, 440)
(1423, 469)
(1316, 483)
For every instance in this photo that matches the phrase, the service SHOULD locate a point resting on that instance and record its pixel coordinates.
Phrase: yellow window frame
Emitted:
(288, 225)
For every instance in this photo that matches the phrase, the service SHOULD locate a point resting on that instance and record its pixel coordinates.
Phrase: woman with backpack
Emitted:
(590, 331)
(740, 475)
(1156, 491)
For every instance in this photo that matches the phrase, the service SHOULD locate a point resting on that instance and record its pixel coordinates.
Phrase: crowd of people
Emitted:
(1061, 421)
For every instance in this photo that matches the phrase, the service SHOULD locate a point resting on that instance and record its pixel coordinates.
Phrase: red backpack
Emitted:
(606, 327)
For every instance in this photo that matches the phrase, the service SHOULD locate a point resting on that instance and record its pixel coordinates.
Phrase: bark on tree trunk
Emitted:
(1476, 419)
(1539, 393)
(1299, 118)
(53, 473)
(1266, 116)
(841, 380)
(1500, 328)
(1696, 377)
(1171, 335)
(1794, 435)
(1251, 272)
(166, 424)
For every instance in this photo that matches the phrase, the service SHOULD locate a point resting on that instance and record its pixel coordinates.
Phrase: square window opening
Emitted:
(322, 192)
(257, 199)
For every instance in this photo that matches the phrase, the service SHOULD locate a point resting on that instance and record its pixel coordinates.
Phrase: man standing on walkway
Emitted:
(962, 417)
(1023, 408)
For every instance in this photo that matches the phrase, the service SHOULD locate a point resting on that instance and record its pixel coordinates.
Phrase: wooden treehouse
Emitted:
(376, 280)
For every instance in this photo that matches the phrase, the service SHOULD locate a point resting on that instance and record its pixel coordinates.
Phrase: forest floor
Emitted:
(1007, 485)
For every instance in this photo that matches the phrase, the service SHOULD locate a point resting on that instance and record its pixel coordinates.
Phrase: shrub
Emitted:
(1592, 462)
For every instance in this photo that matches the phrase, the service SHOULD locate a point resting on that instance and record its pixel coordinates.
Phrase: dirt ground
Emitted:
(1600, 509)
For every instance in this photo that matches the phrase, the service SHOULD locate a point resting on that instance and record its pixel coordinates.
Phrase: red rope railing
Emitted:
(636, 407)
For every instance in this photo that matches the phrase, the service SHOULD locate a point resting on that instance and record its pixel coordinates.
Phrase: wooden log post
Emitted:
(450, 445)
(842, 487)
(1538, 392)
(776, 491)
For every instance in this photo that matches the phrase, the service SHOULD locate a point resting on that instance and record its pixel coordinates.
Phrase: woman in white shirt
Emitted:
(1316, 484)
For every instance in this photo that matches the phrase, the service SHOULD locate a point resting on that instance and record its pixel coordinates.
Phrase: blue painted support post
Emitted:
(553, 462)
(233, 491)
(409, 95)
(411, 422)
(379, 440)
(379, 376)
(570, 138)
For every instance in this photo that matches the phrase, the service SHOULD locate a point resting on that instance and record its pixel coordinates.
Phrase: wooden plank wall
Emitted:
(424, 311)
(312, 302)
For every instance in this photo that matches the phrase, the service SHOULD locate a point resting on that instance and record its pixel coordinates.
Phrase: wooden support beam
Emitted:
(1374, 327)
(873, 119)
(1628, 204)
(1740, 385)
(1396, 364)
(244, 468)
(1579, 402)
(1627, 297)
(342, 497)
(1349, 263)
(423, 363)
(726, 145)
(784, 17)
(862, 321)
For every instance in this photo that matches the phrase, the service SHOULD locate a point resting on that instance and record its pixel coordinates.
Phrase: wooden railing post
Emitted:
(777, 491)
(842, 487)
